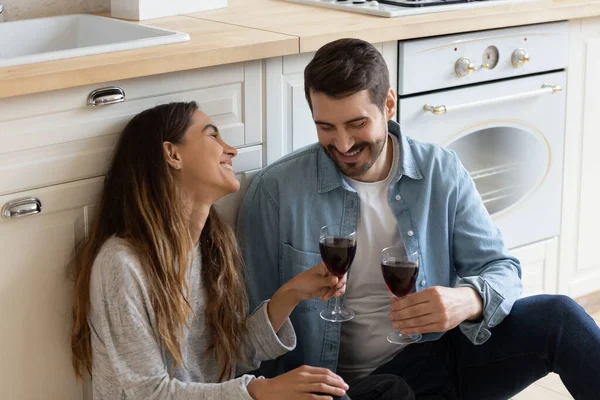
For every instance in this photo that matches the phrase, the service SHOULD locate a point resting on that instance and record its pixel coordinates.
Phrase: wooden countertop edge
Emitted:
(136, 65)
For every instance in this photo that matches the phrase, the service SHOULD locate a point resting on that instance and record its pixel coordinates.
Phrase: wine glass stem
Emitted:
(337, 308)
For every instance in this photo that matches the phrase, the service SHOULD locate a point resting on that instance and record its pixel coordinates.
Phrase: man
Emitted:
(366, 173)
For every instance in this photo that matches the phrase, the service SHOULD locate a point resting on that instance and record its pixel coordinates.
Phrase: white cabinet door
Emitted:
(539, 262)
(579, 261)
(289, 123)
(35, 292)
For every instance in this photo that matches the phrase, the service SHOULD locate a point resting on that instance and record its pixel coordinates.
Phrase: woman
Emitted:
(159, 302)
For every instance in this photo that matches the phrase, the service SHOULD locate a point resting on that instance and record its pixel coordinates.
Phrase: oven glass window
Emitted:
(507, 164)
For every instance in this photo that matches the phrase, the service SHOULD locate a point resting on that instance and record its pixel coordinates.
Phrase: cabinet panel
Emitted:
(579, 266)
(41, 104)
(47, 149)
(589, 222)
(35, 293)
(303, 129)
(222, 103)
(539, 266)
(55, 164)
(248, 158)
(253, 106)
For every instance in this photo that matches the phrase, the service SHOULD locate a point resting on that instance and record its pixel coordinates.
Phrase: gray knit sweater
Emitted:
(129, 360)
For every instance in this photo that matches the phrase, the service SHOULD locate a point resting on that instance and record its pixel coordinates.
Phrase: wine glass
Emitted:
(400, 270)
(337, 244)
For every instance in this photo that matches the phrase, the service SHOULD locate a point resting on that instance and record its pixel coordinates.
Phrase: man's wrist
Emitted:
(475, 304)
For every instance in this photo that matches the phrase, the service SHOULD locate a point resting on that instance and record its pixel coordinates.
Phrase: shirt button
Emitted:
(410, 233)
(423, 282)
(398, 197)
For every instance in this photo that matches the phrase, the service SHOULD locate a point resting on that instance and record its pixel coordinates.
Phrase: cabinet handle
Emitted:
(106, 96)
(22, 207)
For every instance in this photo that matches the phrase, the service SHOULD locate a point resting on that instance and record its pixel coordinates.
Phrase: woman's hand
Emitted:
(303, 383)
(314, 282)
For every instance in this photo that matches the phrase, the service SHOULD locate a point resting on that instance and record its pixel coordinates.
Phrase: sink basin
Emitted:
(44, 39)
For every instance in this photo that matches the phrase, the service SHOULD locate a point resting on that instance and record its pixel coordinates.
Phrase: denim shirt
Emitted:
(438, 211)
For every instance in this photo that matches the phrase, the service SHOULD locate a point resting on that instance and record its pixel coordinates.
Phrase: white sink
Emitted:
(44, 39)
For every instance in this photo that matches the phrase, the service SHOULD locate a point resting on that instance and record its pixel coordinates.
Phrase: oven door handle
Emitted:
(546, 89)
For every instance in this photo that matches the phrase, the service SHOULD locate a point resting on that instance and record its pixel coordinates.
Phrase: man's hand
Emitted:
(435, 309)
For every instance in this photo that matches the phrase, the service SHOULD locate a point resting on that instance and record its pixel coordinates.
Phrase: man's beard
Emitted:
(355, 170)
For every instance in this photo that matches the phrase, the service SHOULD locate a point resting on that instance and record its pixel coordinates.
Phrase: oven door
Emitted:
(509, 136)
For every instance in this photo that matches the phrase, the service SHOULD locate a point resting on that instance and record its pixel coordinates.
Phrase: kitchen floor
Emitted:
(551, 387)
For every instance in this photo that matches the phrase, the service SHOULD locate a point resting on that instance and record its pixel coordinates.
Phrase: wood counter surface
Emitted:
(257, 29)
(316, 26)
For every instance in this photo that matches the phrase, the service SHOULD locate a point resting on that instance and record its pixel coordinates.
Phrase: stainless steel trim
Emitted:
(443, 109)
(106, 96)
(22, 207)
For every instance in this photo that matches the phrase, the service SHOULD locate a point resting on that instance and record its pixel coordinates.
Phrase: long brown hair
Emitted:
(142, 204)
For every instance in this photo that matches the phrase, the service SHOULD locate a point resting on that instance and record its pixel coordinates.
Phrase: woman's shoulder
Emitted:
(116, 270)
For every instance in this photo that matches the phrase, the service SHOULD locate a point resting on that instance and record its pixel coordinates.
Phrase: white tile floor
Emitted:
(548, 388)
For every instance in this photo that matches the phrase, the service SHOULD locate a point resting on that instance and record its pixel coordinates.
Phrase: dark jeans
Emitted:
(542, 334)
(379, 387)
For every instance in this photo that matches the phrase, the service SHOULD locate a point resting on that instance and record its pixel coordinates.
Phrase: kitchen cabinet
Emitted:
(579, 271)
(35, 294)
(55, 137)
(289, 123)
(55, 150)
(539, 262)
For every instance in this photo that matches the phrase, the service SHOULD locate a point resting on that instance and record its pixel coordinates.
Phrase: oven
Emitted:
(496, 98)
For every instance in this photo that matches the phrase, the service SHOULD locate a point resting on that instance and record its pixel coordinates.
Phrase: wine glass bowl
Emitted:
(337, 245)
(400, 270)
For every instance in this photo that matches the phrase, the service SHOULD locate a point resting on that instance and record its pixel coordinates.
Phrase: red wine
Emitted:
(399, 276)
(337, 254)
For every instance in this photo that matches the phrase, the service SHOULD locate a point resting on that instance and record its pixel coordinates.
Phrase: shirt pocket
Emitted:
(295, 262)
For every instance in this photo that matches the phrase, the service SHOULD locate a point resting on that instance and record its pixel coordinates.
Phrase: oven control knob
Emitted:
(464, 67)
(519, 58)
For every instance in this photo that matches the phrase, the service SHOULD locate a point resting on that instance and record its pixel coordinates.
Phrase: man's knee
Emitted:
(554, 306)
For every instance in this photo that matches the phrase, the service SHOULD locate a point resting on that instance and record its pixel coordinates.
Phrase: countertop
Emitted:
(257, 29)
(316, 26)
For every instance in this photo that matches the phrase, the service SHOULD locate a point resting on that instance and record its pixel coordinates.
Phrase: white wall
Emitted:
(22, 9)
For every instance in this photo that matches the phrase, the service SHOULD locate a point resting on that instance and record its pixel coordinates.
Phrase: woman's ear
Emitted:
(172, 155)
(390, 104)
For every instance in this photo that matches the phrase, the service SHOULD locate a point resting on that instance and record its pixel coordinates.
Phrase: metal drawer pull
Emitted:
(546, 89)
(106, 96)
(22, 207)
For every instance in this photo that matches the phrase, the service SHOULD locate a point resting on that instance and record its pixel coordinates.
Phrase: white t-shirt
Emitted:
(364, 345)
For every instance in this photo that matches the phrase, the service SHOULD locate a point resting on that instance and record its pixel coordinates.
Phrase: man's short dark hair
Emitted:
(345, 67)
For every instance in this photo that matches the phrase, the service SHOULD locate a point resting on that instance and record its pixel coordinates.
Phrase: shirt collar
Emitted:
(330, 176)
